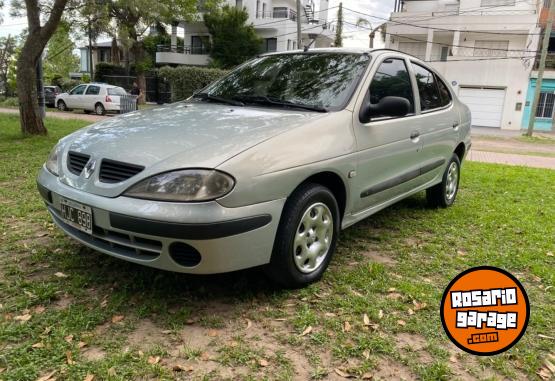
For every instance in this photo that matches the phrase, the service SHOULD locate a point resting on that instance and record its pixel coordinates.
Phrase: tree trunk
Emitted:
(29, 113)
(37, 38)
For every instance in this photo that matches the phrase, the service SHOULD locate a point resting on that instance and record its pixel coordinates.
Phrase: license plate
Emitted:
(77, 215)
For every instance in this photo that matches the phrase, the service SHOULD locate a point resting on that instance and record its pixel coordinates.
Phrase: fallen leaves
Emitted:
(547, 371)
(342, 373)
(23, 318)
(346, 326)
(68, 338)
(117, 318)
(401, 322)
(182, 368)
(249, 324)
(263, 363)
(419, 306)
(89, 377)
(38, 345)
(307, 331)
(60, 275)
(69, 358)
(153, 360)
(366, 320)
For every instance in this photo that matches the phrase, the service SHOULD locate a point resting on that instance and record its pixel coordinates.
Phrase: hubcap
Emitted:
(452, 181)
(99, 110)
(313, 238)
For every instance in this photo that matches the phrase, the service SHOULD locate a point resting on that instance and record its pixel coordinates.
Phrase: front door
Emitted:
(389, 148)
(74, 100)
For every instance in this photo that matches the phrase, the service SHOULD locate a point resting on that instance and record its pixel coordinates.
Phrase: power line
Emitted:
(442, 29)
(450, 45)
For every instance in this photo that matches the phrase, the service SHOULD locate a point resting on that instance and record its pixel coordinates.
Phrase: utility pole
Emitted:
(91, 69)
(299, 31)
(541, 69)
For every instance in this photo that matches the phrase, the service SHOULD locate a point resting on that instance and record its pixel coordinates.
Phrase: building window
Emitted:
(199, 45)
(280, 12)
(294, 45)
(416, 49)
(263, 10)
(257, 8)
(484, 48)
(546, 105)
(104, 55)
(489, 3)
(270, 45)
(239, 4)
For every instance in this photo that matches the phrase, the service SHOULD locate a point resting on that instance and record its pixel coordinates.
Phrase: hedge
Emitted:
(105, 68)
(185, 80)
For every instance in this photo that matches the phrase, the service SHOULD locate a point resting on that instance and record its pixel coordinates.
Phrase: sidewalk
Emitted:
(511, 159)
(61, 115)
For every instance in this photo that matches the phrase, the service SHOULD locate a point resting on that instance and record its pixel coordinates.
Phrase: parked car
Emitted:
(50, 94)
(99, 98)
(263, 167)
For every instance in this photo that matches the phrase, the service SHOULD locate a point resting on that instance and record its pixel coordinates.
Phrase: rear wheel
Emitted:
(306, 238)
(444, 194)
(62, 106)
(99, 109)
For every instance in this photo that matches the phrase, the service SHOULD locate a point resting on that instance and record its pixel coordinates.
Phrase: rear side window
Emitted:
(392, 80)
(444, 92)
(430, 98)
(116, 91)
(93, 90)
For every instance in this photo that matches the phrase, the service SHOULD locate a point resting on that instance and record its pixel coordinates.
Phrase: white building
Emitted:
(485, 48)
(275, 21)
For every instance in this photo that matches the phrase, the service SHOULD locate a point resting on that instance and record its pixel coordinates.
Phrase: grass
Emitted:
(120, 321)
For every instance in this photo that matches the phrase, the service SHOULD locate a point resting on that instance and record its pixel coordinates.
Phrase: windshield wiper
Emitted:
(264, 100)
(215, 98)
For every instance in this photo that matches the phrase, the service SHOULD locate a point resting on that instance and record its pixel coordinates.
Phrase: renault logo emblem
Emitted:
(89, 169)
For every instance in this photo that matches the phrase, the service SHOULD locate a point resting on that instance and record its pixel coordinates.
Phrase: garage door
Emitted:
(486, 105)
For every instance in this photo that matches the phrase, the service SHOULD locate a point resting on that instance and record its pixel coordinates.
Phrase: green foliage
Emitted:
(104, 68)
(233, 41)
(185, 80)
(9, 102)
(339, 31)
(60, 59)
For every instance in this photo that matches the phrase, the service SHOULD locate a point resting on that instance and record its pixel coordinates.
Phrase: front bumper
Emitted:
(201, 238)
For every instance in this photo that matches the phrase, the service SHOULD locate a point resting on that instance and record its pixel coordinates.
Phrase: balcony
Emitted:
(182, 55)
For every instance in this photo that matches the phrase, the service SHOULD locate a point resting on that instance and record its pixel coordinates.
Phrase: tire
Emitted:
(443, 195)
(99, 109)
(62, 106)
(291, 265)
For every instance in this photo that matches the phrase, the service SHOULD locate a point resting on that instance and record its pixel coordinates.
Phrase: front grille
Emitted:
(76, 162)
(112, 171)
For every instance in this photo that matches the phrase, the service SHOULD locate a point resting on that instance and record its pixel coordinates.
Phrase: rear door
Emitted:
(438, 121)
(91, 97)
(388, 148)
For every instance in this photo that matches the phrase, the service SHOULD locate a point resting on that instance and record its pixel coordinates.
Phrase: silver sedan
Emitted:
(263, 167)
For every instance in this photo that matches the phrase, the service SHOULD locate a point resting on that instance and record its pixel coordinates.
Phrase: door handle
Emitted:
(414, 135)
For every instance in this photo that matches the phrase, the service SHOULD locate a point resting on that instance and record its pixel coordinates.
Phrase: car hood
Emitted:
(181, 135)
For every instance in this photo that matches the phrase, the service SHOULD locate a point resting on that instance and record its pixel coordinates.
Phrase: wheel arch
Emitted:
(460, 151)
(334, 183)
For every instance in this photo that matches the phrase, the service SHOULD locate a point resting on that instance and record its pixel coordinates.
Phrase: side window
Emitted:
(48, 90)
(93, 90)
(444, 92)
(392, 80)
(79, 90)
(430, 97)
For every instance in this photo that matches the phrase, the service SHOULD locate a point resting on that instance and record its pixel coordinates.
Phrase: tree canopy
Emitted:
(60, 60)
(233, 41)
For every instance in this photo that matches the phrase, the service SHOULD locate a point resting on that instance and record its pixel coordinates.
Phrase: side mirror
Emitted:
(394, 107)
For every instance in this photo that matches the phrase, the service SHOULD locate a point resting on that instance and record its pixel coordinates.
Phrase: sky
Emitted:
(353, 37)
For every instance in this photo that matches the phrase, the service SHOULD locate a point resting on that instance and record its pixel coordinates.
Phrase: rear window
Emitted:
(116, 91)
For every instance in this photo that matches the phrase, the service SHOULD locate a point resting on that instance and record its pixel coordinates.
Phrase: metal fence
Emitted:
(127, 103)
(157, 90)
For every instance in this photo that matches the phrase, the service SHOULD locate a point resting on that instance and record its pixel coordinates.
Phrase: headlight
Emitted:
(184, 185)
(52, 161)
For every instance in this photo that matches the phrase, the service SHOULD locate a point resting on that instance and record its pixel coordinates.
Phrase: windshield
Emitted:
(116, 91)
(322, 80)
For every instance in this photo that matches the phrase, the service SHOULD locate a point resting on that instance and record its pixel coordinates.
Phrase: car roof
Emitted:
(343, 51)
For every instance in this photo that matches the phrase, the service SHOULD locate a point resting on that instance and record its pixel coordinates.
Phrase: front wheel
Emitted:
(62, 106)
(444, 194)
(306, 238)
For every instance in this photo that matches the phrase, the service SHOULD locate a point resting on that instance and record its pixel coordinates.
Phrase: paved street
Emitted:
(511, 159)
(61, 115)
